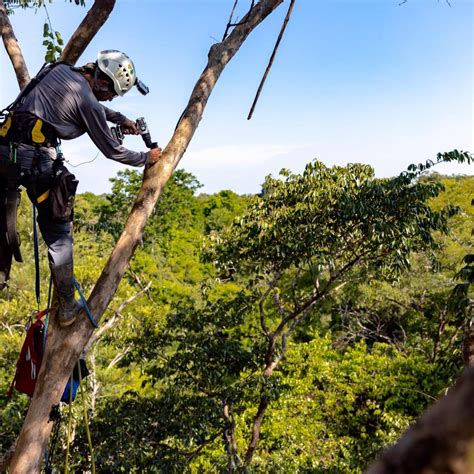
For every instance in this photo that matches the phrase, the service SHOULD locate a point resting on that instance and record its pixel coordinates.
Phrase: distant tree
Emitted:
(307, 237)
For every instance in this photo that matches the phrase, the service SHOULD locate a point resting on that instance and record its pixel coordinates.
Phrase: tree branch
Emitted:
(261, 304)
(93, 21)
(111, 322)
(256, 427)
(13, 48)
(6, 458)
(442, 440)
(272, 58)
(229, 438)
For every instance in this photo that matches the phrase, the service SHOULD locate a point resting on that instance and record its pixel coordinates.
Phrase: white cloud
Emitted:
(237, 154)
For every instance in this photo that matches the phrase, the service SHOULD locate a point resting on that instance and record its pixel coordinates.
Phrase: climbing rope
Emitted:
(86, 419)
(69, 427)
(37, 262)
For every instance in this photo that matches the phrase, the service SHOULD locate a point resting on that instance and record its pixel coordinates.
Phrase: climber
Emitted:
(61, 103)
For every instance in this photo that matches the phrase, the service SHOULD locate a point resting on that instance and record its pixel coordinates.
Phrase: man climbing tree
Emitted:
(64, 346)
(63, 349)
(62, 102)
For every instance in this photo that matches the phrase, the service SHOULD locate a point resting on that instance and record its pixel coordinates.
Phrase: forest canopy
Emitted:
(323, 302)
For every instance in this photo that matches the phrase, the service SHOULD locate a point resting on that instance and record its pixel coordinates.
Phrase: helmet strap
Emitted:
(98, 82)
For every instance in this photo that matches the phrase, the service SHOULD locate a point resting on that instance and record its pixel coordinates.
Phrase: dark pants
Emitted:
(35, 174)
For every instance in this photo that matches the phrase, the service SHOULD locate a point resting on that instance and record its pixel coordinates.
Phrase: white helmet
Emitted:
(119, 67)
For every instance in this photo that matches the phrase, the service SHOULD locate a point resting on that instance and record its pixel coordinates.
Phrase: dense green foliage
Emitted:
(322, 304)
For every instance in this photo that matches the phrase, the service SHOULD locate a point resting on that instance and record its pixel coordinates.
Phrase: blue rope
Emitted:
(46, 458)
(37, 265)
(84, 304)
(46, 318)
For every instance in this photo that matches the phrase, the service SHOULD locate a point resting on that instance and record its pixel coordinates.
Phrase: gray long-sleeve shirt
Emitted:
(64, 99)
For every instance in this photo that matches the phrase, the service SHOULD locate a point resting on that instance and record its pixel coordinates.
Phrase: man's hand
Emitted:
(129, 127)
(153, 156)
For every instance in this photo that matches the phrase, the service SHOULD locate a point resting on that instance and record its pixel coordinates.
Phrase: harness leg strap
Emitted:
(5, 250)
(5, 263)
(11, 208)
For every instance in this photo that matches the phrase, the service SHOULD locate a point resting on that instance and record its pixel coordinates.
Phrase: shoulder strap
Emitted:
(43, 72)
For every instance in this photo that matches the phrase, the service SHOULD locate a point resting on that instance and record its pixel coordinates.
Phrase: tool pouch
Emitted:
(62, 192)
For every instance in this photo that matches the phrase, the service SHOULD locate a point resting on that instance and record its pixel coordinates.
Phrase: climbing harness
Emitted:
(22, 128)
(6, 113)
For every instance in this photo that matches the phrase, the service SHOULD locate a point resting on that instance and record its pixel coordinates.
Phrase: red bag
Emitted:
(29, 361)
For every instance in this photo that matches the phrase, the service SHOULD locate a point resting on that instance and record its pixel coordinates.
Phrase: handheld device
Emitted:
(118, 134)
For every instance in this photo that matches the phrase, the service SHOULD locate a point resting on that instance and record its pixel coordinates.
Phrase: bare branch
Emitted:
(13, 48)
(229, 23)
(261, 304)
(272, 58)
(118, 358)
(229, 438)
(93, 21)
(111, 322)
(139, 282)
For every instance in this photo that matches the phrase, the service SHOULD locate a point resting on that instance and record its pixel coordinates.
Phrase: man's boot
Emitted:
(63, 278)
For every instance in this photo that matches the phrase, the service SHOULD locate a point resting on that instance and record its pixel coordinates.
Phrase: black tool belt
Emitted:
(24, 127)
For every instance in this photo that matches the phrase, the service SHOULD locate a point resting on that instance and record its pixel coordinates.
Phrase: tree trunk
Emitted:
(468, 345)
(441, 441)
(13, 49)
(65, 345)
(271, 364)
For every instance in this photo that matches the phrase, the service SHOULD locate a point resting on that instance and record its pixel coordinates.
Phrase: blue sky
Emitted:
(366, 81)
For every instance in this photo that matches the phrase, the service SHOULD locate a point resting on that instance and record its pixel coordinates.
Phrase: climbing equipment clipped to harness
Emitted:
(63, 190)
(30, 358)
(9, 202)
(18, 128)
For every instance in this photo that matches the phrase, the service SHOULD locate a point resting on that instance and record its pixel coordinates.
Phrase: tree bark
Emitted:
(13, 48)
(65, 345)
(256, 427)
(468, 345)
(93, 21)
(271, 362)
(441, 441)
(6, 458)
